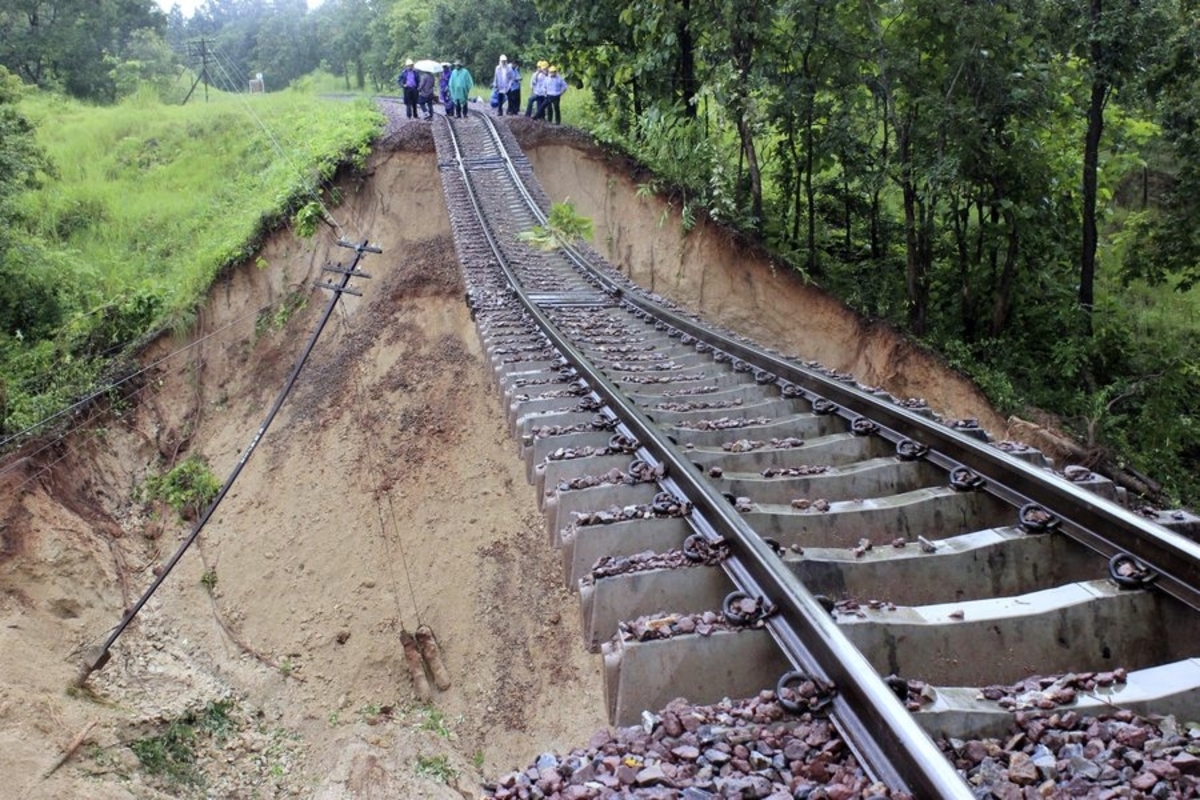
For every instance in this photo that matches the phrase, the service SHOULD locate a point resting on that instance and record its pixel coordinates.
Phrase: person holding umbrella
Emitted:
(461, 84)
(426, 69)
(425, 94)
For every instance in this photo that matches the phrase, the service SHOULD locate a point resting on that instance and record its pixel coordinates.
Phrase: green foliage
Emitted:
(563, 227)
(434, 720)
(145, 206)
(277, 317)
(71, 44)
(306, 219)
(436, 767)
(188, 487)
(147, 65)
(171, 754)
(925, 165)
(209, 580)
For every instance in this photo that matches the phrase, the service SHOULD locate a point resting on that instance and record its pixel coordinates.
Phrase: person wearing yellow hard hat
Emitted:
(537, 93)
(555, 86)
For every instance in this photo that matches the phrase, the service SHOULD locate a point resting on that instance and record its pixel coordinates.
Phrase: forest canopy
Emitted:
(1015, 183)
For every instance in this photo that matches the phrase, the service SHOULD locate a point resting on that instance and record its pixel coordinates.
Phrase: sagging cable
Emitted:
(96, 657)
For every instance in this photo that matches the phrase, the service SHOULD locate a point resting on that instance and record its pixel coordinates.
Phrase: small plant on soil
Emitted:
(274, 318)
(433, 719)
(171, 754)
(374, 713)
(563, 226)
(188, 487)
(209, 579)
(436, 767)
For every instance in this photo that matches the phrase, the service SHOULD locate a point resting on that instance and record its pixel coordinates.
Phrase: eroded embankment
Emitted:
(710, 272)
(387, 494)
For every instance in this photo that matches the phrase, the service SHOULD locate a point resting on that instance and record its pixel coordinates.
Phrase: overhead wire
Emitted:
(74, 408)
(98, 392)
(221, 60)
(63, 439)
(99, 657)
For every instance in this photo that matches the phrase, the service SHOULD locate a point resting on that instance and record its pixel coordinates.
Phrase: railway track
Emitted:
(737, 520)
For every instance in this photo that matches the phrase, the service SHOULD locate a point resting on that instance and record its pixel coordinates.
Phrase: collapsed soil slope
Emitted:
(387, 494)
(715, 274)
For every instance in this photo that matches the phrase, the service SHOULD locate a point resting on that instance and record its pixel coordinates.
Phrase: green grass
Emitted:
(164, 197)
(436, 767)
(147, 206)
(171, 754)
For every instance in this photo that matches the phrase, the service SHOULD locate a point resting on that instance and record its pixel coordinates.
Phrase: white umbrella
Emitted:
(428, 65)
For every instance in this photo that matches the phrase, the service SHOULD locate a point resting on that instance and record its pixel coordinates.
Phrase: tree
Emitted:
(346, 32)
(63, 43)
(285, 46)
(29, 305)
(479, 31)
(147, 60)
(1167, 242)
(1114, 40)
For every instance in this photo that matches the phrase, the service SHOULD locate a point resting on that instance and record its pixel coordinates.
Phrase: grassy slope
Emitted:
(165, 196)
(148, 204)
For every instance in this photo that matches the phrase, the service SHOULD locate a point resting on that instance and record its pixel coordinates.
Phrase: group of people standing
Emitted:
(547, 88)
(455, 83)
(417, 86)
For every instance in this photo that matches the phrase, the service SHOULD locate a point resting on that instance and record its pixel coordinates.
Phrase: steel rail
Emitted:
(1094, 521)
(883, 735)
(1099, 524)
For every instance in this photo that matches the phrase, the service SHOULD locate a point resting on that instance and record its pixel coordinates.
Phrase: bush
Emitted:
(188, 487)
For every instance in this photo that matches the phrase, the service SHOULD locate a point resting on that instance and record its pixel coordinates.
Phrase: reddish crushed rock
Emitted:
(1066, 754)
(745, 749)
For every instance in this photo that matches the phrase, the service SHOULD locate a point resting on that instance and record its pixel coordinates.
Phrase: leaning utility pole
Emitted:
(199, 49)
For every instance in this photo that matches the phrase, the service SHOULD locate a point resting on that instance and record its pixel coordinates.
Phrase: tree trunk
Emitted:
(687, 61)
(756, 195)
(916, 291)
(1091, 160)
(960, 218)
(810, 196)
(847, 215)
(876, 204)
(1002, 302)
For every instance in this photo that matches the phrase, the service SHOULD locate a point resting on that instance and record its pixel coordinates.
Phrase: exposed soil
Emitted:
(386, 495)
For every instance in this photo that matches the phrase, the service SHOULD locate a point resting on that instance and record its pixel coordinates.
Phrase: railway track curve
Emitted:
(737, 520)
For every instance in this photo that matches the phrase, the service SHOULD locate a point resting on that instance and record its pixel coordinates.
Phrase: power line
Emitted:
(202, 48)
(98, 657)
